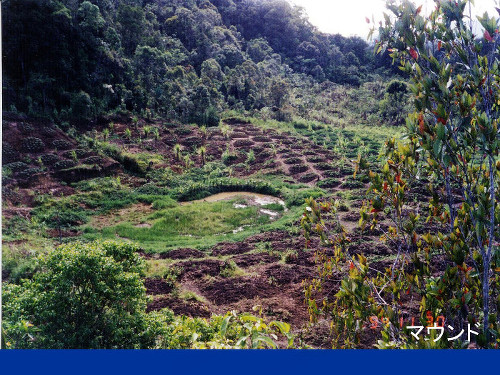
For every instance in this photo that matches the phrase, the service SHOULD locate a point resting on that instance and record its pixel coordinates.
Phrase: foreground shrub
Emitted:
(85, 296)
(231, 331)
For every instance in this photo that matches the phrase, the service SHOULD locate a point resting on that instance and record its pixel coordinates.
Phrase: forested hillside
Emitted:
(185, 59)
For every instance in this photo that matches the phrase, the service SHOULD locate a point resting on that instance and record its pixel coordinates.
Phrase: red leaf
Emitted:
(487, 36)
(367, 20)
(421, 124)
(419, 9)
(439, 45)
(413, 53)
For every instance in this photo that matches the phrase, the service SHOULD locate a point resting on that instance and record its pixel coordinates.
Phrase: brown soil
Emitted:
(180, 307)
(42, 167)
(248, 260)
(225, 291)
(229, 248)
(267, 282)
(200, 268)
(288, 274)
(157, 286)
(183, 254)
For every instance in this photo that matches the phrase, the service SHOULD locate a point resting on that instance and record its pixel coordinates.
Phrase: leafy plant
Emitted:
(231, 331)
(92, 293)
(229, 268)
(188, 163)
(177, 151)
(250, 157)
(202, 151)
(156, 133)
(225, 130)
(455, 125)
(147, 130)
(451, 145)
(128, 134)
(172, 274)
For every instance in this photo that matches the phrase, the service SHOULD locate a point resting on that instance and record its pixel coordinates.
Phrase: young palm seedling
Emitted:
(177, 152)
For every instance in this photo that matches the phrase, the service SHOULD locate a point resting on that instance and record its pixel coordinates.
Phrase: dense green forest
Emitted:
(183, 59)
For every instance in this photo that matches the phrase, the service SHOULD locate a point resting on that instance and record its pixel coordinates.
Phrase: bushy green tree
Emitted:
(84, 296)
(82, 108)
(394, 106)
(131, 19)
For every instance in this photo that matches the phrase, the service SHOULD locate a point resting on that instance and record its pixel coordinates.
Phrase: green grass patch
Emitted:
(203, 219)
(274, 207)
(198, 225)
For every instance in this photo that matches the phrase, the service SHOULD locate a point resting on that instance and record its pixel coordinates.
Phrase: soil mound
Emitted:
(183, 254)
(156, 286)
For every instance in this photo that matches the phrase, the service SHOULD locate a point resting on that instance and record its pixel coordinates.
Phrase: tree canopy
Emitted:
(156, 56)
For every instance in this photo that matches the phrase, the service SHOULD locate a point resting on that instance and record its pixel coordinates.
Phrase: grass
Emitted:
(199, 225)
(274, 207)
(189, 295)
(202, 219)
(107, 208)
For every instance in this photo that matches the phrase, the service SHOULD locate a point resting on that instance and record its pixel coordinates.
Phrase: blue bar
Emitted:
(237, 362)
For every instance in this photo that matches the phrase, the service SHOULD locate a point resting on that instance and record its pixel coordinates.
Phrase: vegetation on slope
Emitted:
(183, 59)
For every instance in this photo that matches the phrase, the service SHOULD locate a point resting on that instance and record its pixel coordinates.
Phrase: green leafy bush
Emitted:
(85, 296)
(209, 187)
(60, 214)
(211, 117)
(231, 331)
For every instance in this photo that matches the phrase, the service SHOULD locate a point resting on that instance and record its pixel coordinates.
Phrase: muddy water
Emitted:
(258, 199)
